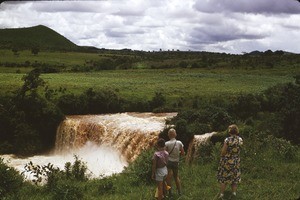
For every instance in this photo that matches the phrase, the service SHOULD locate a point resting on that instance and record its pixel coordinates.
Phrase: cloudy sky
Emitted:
(230, 26)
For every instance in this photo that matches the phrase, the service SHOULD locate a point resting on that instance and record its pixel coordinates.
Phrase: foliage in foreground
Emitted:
(11, 180)
(270, 168)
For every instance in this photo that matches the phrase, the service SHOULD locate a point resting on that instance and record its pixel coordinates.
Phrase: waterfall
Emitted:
(195, 144)
(106, 143)
(127, 133)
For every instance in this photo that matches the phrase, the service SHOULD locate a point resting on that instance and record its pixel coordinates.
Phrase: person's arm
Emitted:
(182, 151)
(153, 168)
(224, 149)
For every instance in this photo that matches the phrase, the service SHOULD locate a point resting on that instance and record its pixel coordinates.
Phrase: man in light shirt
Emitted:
(175, 149)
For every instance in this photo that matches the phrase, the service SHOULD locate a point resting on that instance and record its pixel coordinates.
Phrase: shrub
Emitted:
(268, 146)
(71, 104)
(219, 119)
(204, 152)
(136, 106)
(11, 180)
(104, 101)
(77, 171)
(159, 100)
(52, 175)
(67, 190)
(141, 168)
(283, 101)
(282, 149)
(246, 106)
(106, 185)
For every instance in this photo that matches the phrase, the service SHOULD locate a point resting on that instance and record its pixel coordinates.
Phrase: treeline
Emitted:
(127, 59)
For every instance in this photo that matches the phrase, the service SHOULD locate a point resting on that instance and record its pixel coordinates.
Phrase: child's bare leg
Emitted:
(160, 190)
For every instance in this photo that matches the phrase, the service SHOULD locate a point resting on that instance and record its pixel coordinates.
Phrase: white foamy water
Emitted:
(100, 161)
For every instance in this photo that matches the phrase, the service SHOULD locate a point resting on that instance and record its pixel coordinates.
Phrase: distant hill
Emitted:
(38, 36)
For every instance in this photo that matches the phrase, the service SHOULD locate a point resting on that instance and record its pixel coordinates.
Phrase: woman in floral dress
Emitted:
(229, 166)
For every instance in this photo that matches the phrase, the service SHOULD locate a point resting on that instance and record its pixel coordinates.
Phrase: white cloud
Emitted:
(211, 25)
(248, 6)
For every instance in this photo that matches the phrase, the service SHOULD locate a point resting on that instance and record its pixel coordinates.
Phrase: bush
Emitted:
(71, 104)
(136, 106)
(104, 101)
(283, 102)
(11, 181)
(268, 146)
(106, 185)
(282, 149)
(159, 100)
(77, 171)
(205, 152)
(140, 170)
(52, 175)
(246, 106)
(68, 190)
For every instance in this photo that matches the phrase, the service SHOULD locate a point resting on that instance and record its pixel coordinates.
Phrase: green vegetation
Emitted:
(43, 81)
(266, 174)
(173, 83)
(269, 163)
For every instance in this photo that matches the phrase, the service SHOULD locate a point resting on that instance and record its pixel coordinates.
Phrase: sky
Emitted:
(227, 26)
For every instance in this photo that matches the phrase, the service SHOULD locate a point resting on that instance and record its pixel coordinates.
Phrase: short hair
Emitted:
(160, 142)
(172, 133)
(233, 129)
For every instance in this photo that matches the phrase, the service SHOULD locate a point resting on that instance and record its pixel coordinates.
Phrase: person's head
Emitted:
(233, 129)
(160, 143)
(172, 133)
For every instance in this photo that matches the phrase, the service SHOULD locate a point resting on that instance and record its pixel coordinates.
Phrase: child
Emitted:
(159, 167)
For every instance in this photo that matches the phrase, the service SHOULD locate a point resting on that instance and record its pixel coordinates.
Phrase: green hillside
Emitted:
(38, 36)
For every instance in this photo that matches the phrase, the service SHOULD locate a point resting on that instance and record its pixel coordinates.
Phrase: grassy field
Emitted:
(173, 83)
(67, 59)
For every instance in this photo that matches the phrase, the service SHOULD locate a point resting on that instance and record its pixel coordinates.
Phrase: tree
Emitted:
(31, 82)
(33, 119)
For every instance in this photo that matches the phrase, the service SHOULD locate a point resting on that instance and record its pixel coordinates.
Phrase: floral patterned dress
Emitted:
(229, 167)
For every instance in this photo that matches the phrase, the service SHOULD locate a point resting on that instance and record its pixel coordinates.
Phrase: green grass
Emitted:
(173, 83)
(198, 182)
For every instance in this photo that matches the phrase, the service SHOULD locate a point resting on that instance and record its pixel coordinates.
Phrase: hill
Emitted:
(38, 36)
